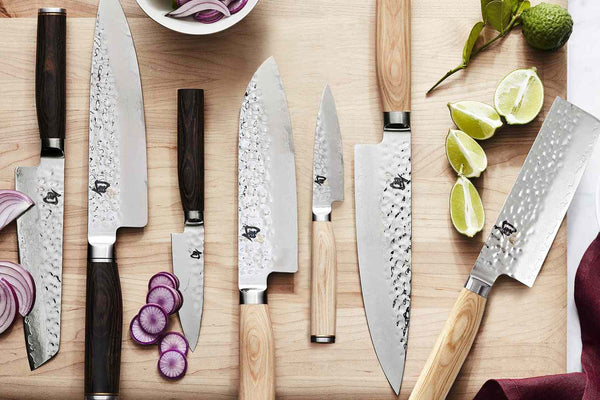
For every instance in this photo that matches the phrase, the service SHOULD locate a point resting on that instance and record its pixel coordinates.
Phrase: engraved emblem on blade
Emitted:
(250, 232)
(506, 229)
(100, 187)
(196, 254)
(320, 180)
(399, 182)
(51, 197)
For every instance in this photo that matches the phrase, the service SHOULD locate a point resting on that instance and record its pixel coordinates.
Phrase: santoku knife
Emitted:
(520, 239)
(267, 222)
(40, 230)
(188, 247)
(383, 197)
(117, 190)
(328, 187)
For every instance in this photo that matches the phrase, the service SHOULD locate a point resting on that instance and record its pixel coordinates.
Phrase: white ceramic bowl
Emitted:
(156, 9)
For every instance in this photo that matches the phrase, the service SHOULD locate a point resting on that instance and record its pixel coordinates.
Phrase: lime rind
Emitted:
(464, 154)
(519, 97)
(466, 209)
(476, 119)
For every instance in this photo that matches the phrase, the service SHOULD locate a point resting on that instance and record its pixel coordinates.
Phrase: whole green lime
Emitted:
(547, 26)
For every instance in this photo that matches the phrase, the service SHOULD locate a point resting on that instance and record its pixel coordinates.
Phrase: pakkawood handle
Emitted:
(257, 353)
(451, 349)
(190, 148)
(50, 72)
(103, 329)
(393, 54)
(324, 280)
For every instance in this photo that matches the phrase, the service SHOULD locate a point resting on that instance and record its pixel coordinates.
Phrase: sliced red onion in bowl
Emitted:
(153, 319)
(139, 335)
(209, 14)
(172, 364)
(236, 6)
(8, 305)
(195, 6)
(12, 204)
(164, 296)
(163, 278)
(173, 341)
(21, 282)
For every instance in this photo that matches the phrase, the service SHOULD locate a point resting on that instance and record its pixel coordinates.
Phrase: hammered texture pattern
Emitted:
(326, 146)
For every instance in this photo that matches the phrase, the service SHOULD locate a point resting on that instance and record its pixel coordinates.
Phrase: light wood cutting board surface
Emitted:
(314, 42)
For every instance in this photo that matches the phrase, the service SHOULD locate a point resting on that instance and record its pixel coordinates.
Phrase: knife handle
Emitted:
(257, 353)
(103, 329)
(451, 349)
(324, 278)
(190, 148)
(393, 54)
(50, 75)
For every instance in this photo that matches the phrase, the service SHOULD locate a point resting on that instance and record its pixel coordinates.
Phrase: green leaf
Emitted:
(514, 5)
(484, 3)
(470, 43)
(523, 5)
(499, 13)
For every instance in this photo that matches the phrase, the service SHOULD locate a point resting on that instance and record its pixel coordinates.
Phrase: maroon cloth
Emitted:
(576, 386)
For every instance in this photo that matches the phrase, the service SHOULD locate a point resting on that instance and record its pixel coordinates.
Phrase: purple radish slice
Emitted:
(139, 335)
(153, 319)
(12, 204)
(173, 341)
(162, 278)
(172, 364)
(164, 296)
(236, 6)
(180, 300)
(176, 279)
(21, 282)
(194, 6)
(8, 305)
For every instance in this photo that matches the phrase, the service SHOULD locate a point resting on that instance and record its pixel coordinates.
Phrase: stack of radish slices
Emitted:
(17, 293)
(149, 326)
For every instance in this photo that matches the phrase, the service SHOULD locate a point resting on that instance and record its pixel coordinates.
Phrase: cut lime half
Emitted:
(520, 96)
(464, 154)
(476, 119)
(466, 209)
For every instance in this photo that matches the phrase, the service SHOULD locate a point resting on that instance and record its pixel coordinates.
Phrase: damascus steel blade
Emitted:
(267, 205)
(328, 163)
(383, 228)
(40, 238)
(527, 224)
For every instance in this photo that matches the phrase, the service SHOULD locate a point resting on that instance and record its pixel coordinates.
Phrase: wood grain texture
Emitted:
(334, 45)
(257, 353)
(393, 54)
(324, 281)
(451, 349)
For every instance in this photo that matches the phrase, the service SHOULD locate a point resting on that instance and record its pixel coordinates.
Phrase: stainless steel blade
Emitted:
(328, 162)
(117, 189)
(537, 203)
(267, 205)
(188, 265)
(40, 235)
(383, 227)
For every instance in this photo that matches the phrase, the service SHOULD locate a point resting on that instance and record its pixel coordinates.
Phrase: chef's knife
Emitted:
(383, 197)
(328, 187)
(117, 190)
(267, 222)
(520, 239)
(40, 230)
(188, 247)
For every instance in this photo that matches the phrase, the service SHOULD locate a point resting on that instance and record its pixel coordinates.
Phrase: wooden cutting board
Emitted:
(314, 42)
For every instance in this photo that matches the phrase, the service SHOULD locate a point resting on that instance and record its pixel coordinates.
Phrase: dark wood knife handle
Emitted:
(50, 72)
(190, 148)
(103, 328)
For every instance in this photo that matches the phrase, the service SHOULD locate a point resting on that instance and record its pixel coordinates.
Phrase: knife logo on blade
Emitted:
(51, 197)
(100, 187)
(399, 182)
(196, 254)
(250, 232)
(320, 180)
(506, 229)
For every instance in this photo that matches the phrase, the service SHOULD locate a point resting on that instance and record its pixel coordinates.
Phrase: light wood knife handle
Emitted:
(324, 278)
(393, 54)
(451, 348)
(257, 353)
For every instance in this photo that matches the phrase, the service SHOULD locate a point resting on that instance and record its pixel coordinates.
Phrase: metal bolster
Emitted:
(52, 10)
(53, 147)
(194, 217)
(322, 339)
(104, 252)
(478, 286)
(101, 397)
(253, 296)
(396, 120)
(321, 217)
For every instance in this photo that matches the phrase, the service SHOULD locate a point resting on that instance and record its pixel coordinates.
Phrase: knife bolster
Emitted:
(396, 120)
(101, 397)
(478, 286)
(253, 296)
(103, 252)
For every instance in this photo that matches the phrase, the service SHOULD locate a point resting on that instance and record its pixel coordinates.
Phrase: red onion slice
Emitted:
(209, 14)
(236, 6)
(173, 341)
(12, 205)
(8, 305)
(195, 6)
(21, 282)
(172, 364)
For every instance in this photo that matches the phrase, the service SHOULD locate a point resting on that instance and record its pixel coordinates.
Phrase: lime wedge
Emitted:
(520, 96)
(466, 210)
(478, 120)
(464, 154)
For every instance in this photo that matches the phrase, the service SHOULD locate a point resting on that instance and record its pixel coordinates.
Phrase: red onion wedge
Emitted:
(236, 6)
(173, 341)
(8, 305)
(172, 364)
(163, 278)
(153, 319)
(164, 296)
(139, 335)
(12, 205)
(208, 14)
(195, 6)
(21, 282)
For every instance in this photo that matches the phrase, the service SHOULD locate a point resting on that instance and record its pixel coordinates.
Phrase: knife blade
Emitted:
(40, 230)
(267, 221)
(328, 187)
(188, 247)
(117, 190)
(383, 193)
(520, 239)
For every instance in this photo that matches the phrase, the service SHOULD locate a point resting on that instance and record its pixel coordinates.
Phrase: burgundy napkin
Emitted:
(576, 386)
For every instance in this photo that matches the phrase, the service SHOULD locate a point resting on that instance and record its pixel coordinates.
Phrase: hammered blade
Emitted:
(40, 238)
(383, 228)
(267, 205)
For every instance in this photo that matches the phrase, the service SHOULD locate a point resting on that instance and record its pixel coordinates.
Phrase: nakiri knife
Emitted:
(328, 187)
(382, 177)
(520, 239)
(40, 230)
(117, 191)
(267, 222)
(188, 247)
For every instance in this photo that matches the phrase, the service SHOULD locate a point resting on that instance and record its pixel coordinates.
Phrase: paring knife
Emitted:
(328, 187)
(188, 247)
(40, 230)
(383, 185)
(117, 190)
(267, 222)
(521, 238)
